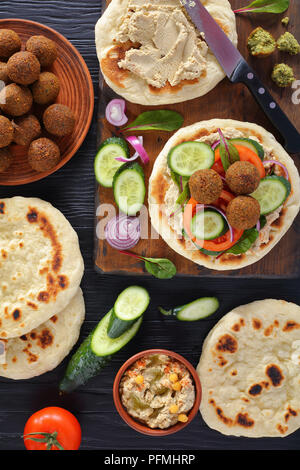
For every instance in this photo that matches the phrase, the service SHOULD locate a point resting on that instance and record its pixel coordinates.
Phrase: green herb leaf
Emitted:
(161, 268)
(228, 152)
(185, 193)
(245, 242)
(265, 6)
(160, 120)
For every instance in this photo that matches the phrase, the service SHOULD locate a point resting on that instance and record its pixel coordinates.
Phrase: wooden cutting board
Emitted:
(225, 101)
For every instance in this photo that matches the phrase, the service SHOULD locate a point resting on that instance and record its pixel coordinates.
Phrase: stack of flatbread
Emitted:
(41, 303)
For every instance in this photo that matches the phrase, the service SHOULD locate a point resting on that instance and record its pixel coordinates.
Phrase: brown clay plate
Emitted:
(76, 92)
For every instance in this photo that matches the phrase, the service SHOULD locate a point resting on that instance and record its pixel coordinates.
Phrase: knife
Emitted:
(238, 71)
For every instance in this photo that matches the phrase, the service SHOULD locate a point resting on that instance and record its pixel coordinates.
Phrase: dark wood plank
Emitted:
(72, 190)
(225, 101)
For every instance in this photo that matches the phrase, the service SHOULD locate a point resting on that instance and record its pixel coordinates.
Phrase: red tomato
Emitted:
(58, 428)
(246, 155)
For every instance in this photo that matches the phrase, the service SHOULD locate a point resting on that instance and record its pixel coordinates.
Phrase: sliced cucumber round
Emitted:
(103, 345)
(271, 193)
(129, 188)
(250, 144)
(208, 225)
(188, 157)
(198, 309)
(105, 164)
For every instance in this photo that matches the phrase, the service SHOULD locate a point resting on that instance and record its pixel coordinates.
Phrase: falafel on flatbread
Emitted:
(46, 346)
(150, 52)
(167, 220)
(250, 371)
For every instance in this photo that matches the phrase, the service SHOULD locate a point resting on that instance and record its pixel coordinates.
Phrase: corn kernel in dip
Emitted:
(167, 391)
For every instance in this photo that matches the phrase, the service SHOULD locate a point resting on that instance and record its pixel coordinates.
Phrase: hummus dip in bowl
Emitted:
(157, 392)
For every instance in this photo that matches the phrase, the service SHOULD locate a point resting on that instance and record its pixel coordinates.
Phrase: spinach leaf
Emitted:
(265, 6)
(245, 242)
(228, 153)
(160, 120)
(161, 268)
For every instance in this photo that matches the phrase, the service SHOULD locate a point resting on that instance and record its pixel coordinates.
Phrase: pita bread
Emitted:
(40, 264)
(44, 348)
(163, 194)
(250, 371)
(136, 89)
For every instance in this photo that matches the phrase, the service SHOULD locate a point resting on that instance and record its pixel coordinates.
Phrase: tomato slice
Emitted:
(222, 243)
(246, 155)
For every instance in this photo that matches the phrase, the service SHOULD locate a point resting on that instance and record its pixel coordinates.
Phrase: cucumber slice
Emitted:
(102, 345)
(129, 188)
(251, 144)
(208, 225)
(105, 164)
(129, 306)
(271, 193)
(188, 157)
(193, 311)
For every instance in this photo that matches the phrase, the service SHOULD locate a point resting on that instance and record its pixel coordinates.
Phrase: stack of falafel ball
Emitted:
(242, 179)
(26, 84)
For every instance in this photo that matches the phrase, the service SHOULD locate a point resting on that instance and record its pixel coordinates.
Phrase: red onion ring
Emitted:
(205, 206)
(134, 157)
(276, 162)
(258, 227)
(138, 147)
(115, 112)
(123, 232)
(215, 145)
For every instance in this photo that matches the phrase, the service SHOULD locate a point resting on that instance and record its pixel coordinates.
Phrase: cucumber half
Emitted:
(94, 354)
(105, 164)
(129, 306)
(129, 188)
(208, 225)
(271, 193)
(188, 157)
(102, 345)
(193, 311)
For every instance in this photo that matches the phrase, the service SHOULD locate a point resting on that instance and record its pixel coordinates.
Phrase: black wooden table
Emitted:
(72, 191)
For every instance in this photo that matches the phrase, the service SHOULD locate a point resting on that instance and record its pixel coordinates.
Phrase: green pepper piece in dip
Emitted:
(261, 43)
(288, 43)
(283, 75)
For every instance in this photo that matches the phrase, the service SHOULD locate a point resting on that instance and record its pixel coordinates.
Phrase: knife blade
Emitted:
(238, 71)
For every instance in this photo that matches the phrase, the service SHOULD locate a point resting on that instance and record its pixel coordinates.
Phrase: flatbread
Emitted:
(250, 371)
(136, 89)
(44, 348)
(163, 193)
(40, 264)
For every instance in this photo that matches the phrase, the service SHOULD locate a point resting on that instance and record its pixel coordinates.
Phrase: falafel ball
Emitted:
(43, 154)
(242, 178)
(10, 43)
(23, 68)
(6, 132)
(5, 159)
(243, 212)
(59, 120)
(3, 73)
(43, 48)
(15, 100)
(46, 89)
(205, 186)
(26, 129)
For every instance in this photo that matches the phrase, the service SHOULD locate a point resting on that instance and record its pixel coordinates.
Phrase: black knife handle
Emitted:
(245, 74)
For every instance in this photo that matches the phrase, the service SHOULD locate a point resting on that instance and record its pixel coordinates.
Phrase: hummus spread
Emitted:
(171, 50)
(158, 391)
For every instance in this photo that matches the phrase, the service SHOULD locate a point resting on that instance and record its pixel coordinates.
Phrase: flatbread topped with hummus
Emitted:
(223, 219)
(46, 346)
(151, 53)
(249, 371)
